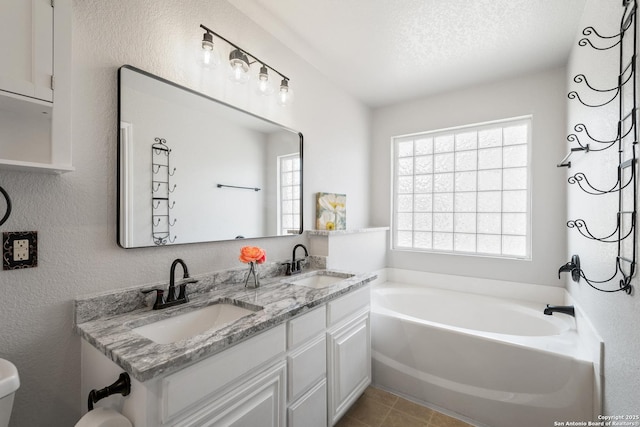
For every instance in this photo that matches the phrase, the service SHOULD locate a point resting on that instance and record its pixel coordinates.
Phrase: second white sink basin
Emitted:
(192, 323)
(320, 279)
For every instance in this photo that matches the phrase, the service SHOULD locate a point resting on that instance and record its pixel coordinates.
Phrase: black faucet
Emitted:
(566, 309)
(572, 267)
(294, 266)
(182, 296)
(171, 299)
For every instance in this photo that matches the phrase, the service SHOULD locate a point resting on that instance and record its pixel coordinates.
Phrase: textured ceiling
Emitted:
(387, 51)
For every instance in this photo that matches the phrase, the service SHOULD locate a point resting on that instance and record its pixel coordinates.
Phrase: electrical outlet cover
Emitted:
(19, 249)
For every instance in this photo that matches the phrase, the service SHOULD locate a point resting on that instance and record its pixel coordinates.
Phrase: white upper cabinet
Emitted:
(26, 48)
(35, 85)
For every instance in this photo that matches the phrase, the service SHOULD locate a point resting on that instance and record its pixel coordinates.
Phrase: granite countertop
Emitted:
(145, 360)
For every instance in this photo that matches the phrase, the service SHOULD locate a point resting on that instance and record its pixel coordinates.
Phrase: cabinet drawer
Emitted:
(311, 409)
(306, 366)
(186, 387)
(347, 305)
(306, 326)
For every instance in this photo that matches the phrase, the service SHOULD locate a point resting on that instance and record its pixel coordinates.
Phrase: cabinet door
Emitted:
(349, 364)
(311, 409)
(26, 48)
(186, 388)
(258, 402)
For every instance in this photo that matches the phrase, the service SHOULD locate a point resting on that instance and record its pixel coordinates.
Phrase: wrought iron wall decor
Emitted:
(7, 200)
(161, 189)
(625, 141)
(565, 161)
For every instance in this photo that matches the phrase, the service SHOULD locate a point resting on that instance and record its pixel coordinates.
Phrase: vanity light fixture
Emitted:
(285, 94)
(263, 84)
(240, 62)
(210, 56)
(239, 66)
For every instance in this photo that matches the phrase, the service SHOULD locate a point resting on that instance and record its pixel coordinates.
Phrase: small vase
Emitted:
(254, 273)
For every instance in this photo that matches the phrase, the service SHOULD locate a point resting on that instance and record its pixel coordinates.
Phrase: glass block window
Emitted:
(464, 190)
(289, 194)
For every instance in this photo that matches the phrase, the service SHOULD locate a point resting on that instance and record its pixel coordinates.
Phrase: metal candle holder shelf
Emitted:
(625, 141)
(161, 189)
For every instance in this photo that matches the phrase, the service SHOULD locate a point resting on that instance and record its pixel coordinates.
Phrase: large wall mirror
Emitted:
(193, 169)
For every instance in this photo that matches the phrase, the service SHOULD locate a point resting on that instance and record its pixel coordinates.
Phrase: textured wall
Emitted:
(75, 213)
(614, 315)
(543, 96)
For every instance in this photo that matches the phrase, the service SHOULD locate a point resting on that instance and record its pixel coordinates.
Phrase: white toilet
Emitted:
(9, 383)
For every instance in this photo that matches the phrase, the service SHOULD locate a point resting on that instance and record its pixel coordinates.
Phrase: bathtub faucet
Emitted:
(572, 267)
(566, 309)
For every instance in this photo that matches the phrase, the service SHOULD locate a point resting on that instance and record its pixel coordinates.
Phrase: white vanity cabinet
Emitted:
(329, 360)
(35, 85)
(242, 386)
(305, 372)
(348, 351)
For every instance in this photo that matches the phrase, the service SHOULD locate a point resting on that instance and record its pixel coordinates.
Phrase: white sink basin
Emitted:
(320, 279)
(192, 323)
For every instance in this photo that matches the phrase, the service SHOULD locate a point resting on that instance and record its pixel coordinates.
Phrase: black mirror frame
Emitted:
(119, 176)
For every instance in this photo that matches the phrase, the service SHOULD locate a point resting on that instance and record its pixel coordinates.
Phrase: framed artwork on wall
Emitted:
(331, 211)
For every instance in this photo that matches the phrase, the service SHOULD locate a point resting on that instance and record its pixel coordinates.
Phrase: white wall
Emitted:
(359, 252)
(614, 315)
(75, 213)
(543, 96)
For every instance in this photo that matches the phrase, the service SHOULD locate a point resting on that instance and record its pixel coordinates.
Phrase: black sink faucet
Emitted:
(171, 299)
(566, 309)
(294, 266)
(182, 296)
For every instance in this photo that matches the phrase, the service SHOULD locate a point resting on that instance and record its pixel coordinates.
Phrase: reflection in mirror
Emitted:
(193, 169)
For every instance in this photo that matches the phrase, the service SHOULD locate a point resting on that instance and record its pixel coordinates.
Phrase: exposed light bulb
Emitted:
(239, 66)
(209, 55)
(263, 83)
(285, 94)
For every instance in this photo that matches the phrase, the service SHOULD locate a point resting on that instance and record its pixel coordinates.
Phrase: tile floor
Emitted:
(378, 408)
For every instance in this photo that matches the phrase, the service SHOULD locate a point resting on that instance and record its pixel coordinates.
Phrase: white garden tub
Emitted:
(499, 362)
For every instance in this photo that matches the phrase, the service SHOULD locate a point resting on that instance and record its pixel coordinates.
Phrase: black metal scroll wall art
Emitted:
(161, 190)
(7, 211)
(625, 141)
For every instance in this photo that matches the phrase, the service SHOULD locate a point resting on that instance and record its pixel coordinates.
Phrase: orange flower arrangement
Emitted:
(252, 254)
